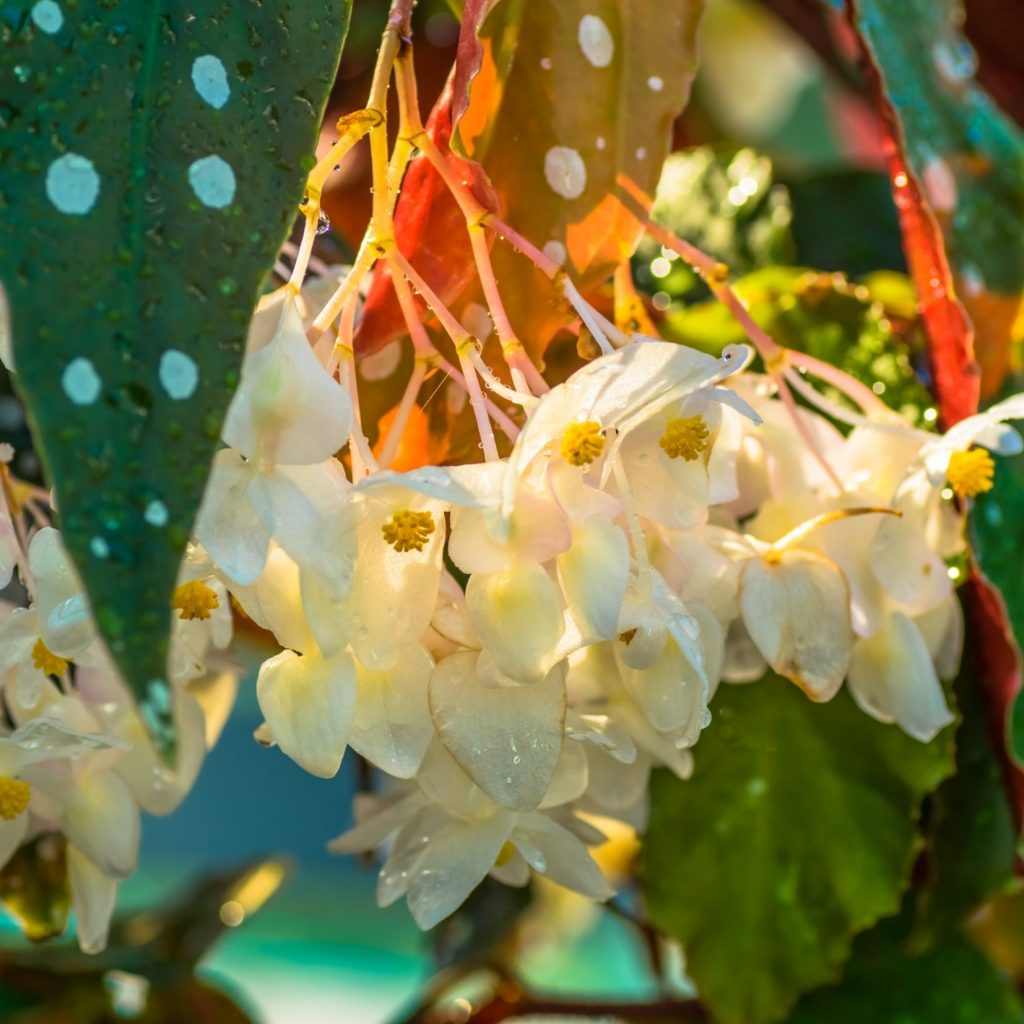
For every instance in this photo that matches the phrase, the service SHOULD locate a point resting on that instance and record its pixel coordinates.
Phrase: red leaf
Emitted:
(950, 335)
(430, 231)
(469, 55)
(997, 660)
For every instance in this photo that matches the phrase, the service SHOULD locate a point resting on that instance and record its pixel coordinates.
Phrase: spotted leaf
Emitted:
(153, 155)
(958, 174)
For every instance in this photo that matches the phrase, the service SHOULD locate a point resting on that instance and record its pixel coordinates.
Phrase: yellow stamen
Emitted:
(408, 531)
(14, 797)
(46, 661)
(582, 443)
(971, 472)
(195, 600)
(505, 854)
(685, 438)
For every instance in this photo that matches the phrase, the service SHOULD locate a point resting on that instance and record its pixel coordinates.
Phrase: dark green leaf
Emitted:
(998, 544)
(153, 157)
(972, 837)
(845, 221)
(797, 830)
(952, 984)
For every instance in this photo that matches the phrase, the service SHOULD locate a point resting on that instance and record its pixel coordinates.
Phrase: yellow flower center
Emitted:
(46, 661)
(505, 854)
(408, 531)
(684, 438)
(971, 472)
(14, 797)
(195, 600)
(582, 443)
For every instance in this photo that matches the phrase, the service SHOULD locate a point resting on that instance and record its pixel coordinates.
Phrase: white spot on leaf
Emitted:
(156, 513)
(565, 171)
(596, 41)
(81, 382)
(72, 183)
(940, 184)
(555, 251)
(600, 143)
(545, 63)
(655, 84)
(99, 547)
(47, 16)
(641, 153)
(211, 80)
(381, 364)
(213, 181)
(179, 374)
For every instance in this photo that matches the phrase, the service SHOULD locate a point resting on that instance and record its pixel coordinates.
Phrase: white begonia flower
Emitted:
(55, 630)
(398, 534)
(673, 462)
(595, 682)
(57, 771)
(317, 703)
(451, 835)
(908, 555)
(288, 410)
(301, 507)
(612, 395)
(508, 739)
(156, 787)
(796, 609)
(279, 478)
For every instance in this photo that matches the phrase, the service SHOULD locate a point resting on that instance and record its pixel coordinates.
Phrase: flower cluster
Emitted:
(75, 758)
(514, 643)
(517, 642)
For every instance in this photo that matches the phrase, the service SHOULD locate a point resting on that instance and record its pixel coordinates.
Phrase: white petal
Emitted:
(453, 865)
(614, 785)
(893, 679)
(670, 693)
(93, 896)
(308, 703)
(65, 623)
(536, 531)
(555, 852)
(392, 727)
(517, 614)
(508, 739)
(594, 573)
(157, 788)
(276, 602)
(288, 408)
(396, 872)
(101, 819)
(372, 828)
(228, 525)
(797, 612)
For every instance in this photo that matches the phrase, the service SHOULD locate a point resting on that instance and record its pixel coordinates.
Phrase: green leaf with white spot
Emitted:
(797, 830)
(153, 158)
